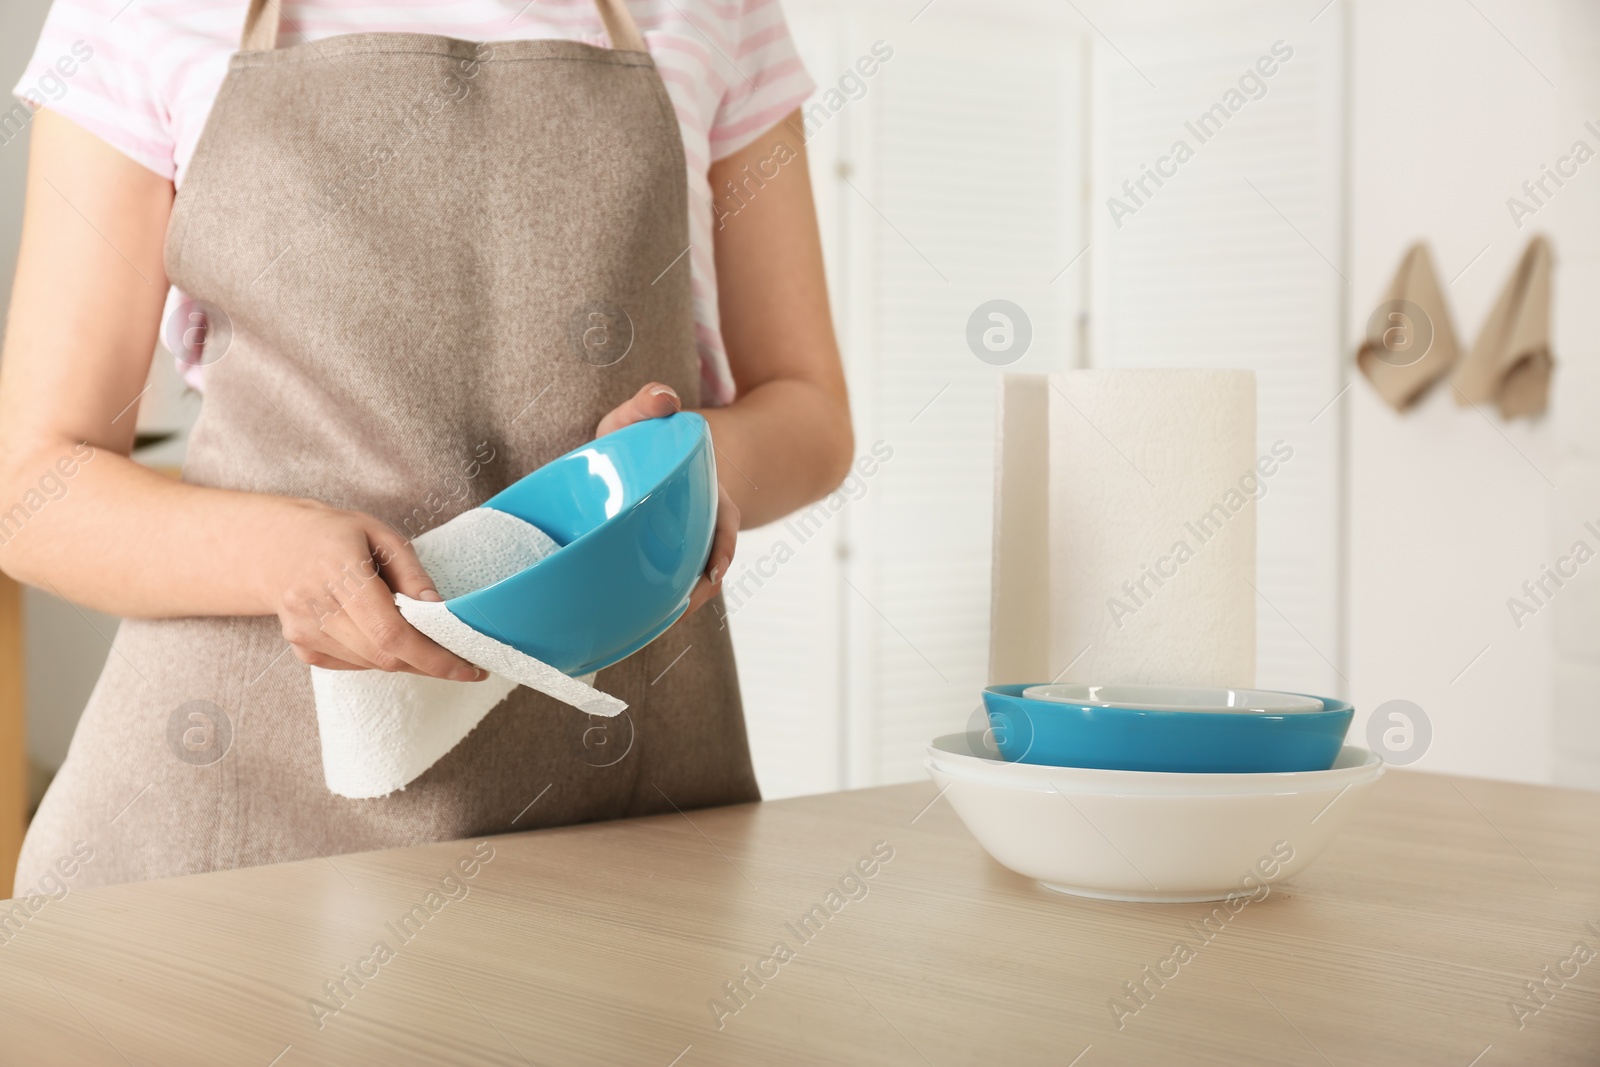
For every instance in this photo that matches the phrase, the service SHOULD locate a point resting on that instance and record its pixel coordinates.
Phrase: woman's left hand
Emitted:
(657, 401)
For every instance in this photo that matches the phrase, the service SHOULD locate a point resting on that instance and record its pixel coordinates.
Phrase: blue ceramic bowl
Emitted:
(1052, 733)
(634, 513)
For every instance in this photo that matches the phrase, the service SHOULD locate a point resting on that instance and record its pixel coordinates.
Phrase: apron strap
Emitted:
(260, 34)
(620, 27)
(261, 26)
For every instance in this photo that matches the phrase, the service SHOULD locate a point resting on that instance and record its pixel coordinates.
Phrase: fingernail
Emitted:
(431, 595)
(667, 390)
(466, 674)
(719, 570)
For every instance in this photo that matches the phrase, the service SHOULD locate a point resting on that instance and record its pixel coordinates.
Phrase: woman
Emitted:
(404, 240)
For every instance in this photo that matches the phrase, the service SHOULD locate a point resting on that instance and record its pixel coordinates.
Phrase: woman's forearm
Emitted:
(100, 530)
(786, 441)
(780, 446)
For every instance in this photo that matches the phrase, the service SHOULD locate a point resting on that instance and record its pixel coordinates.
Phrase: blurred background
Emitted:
(975, 164)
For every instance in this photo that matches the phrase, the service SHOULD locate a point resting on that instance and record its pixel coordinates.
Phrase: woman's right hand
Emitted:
(331, 579)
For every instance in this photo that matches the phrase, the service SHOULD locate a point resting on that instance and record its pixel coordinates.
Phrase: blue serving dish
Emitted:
(1059, 734)
(634, 513)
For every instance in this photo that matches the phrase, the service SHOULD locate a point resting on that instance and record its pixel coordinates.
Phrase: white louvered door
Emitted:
(956, 179)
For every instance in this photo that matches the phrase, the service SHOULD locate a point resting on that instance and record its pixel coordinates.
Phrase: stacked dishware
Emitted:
(1125, 548)
(1154, 793)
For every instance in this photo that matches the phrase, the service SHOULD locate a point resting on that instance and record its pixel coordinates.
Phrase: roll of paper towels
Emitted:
(1149, 549)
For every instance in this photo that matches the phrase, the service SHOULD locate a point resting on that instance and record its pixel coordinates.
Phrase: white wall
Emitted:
(1452, 107)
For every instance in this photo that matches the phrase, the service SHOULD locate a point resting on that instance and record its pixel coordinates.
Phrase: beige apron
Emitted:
(415, 240)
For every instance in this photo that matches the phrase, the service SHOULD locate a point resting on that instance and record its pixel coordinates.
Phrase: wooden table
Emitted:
(1407, 943)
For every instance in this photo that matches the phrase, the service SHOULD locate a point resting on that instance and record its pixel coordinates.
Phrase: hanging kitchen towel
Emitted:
(1410, 342)
(1510, 362)
(379, 729)
(1125, 528)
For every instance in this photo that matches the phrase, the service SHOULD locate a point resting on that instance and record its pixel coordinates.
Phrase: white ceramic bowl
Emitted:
(1150, 836)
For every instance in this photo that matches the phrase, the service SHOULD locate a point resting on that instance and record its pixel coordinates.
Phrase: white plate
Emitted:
(1140, 845)
(1174, 698)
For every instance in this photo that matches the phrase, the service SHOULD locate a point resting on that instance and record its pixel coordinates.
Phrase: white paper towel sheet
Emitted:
(380, 730)
(1125, 547)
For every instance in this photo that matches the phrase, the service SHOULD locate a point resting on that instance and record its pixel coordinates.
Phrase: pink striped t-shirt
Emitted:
(142, 75)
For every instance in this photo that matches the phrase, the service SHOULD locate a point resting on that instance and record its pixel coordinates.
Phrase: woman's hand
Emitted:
(657, 401)
(332, 583)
